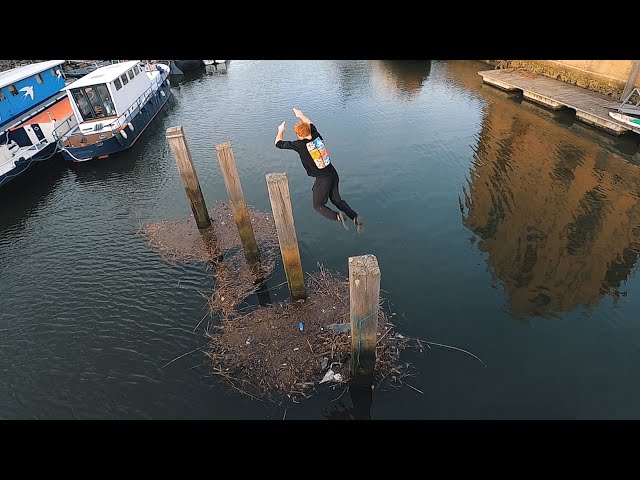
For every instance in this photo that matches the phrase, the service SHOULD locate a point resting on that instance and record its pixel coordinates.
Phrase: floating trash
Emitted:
(328, 376)
(331, 376)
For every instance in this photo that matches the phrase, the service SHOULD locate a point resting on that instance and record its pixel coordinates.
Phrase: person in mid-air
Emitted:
(316, 161)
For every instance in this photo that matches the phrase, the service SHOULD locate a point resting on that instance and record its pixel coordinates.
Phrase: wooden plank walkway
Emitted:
(590, 107)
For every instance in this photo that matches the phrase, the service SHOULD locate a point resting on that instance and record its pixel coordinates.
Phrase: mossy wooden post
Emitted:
(238, 204)
(283, 217)
(175, 136)
(364, 301)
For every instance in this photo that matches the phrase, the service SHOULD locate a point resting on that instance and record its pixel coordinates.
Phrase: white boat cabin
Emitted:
(108, 92)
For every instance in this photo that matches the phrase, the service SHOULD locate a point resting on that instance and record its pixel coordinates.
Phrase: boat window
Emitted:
(53, 72)
(117, 83)
(107, 105)
(13, 90)
(2, 97)
(39, 78)
(96, 101)
(130, 72)
(124, 79)
(83, 104)
(136, 70)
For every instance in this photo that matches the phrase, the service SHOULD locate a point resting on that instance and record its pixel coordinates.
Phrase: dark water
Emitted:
(500, 228)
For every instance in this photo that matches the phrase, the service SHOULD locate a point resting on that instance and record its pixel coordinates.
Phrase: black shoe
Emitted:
(359, 224)
(341, 219)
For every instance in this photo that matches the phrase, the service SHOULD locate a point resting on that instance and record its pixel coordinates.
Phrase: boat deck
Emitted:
(59, 111)
(590, 107)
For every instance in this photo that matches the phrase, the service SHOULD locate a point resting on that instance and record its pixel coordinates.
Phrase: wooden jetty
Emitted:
(590, 107)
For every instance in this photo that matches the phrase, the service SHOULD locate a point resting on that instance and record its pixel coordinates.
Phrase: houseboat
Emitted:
(113, 105)
(34, 112)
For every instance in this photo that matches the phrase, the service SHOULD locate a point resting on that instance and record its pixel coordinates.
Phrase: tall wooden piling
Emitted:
(238, 204)
(364, 301)
(283, 217)
(175, 137)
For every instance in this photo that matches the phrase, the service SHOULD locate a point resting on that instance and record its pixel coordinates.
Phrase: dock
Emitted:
(590, 107)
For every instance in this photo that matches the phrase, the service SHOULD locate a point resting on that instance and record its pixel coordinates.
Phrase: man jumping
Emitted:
(316, 161)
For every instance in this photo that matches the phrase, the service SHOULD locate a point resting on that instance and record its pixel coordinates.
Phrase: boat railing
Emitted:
(124, 118)
(65, 127)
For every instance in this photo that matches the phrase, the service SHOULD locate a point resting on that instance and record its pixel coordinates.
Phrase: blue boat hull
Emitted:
(118, 142)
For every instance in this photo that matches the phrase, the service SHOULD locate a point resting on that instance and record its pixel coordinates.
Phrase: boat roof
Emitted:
(105, 74)
(13, 75)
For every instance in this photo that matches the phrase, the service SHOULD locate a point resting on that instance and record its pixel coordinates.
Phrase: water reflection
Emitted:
(404, 79)
(558, 215)
(21, 198)
(361, 395)
(351, 78)
(216, 68)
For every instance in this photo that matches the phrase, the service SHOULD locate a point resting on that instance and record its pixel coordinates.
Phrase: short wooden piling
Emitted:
(283, 216)
(364, 301)
(238, 204)
(175, 137)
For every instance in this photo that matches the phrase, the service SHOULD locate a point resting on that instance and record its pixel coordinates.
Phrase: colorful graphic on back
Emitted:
(319, 153)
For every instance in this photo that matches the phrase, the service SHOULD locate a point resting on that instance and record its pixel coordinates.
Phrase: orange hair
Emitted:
(302, 129)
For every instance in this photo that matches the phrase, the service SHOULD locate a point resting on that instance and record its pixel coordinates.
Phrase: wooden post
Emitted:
(364, 301)
(238, 204)
(210, 241)
(283, 217)
(175, 136)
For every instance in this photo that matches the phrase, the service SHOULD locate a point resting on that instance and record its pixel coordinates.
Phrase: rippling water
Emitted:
(500, 228)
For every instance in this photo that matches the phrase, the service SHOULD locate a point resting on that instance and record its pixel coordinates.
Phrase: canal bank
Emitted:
(608, 77)
(587, 92)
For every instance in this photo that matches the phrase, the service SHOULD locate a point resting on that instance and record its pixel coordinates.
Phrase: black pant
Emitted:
(325, 188)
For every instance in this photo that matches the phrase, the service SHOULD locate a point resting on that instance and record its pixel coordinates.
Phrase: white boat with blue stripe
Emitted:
(113, 105)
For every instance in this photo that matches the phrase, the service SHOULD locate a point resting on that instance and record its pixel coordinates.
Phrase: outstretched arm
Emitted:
(298, 113)
(280, 133)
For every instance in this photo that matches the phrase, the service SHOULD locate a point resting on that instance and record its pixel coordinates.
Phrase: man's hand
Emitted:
(280, 133)
(298, 113)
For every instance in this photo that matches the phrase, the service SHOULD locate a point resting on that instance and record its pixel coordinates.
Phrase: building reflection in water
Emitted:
(403, 79)
(557, 214)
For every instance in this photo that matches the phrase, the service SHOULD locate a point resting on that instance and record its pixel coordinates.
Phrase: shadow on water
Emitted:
(361, 395)
(189, 76)
(556, 208)
(262, 293)
(21, 197)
